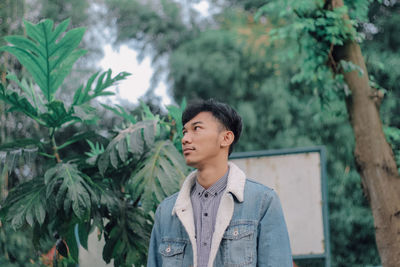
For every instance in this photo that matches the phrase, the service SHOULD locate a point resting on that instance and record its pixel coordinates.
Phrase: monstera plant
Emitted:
(115, 185)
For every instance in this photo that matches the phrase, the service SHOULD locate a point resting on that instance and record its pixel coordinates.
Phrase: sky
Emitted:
(136, 85)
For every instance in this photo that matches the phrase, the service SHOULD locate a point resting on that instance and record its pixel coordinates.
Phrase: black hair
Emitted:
(225, 114)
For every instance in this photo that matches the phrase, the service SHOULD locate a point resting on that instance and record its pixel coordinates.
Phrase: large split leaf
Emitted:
(132, 139)
(47, 56)
(127, 237)
(26, 204)
(71, 188)
(158, 176)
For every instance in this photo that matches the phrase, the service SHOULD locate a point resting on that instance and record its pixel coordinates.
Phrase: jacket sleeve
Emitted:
(154, 257)
(273, 240)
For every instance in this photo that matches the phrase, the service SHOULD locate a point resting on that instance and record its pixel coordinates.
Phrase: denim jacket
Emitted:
(250, 229)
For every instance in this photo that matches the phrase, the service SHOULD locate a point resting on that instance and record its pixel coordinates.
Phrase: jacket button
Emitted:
(235, 233)
(168, 249)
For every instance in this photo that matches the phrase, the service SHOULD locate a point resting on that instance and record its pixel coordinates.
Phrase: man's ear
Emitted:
(227, 138)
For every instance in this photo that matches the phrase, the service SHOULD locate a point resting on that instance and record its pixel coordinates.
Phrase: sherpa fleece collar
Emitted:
(235, 185)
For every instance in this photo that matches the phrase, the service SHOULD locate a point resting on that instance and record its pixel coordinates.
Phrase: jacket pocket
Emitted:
(172, 252)
(238, 245)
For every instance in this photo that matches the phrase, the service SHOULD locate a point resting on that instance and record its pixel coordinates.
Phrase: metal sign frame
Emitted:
(324, 190)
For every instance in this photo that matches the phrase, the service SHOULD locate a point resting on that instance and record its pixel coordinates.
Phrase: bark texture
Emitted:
(373, 155)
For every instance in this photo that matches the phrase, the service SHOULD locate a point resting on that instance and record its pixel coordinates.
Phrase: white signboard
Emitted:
(297, 180)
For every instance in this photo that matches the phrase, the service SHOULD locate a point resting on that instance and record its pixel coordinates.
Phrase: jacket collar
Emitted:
(235, 185)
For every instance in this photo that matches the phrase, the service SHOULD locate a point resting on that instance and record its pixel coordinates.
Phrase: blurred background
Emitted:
(190, 49)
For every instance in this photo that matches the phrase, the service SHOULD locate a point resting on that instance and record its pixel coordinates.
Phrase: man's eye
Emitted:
(196, 127)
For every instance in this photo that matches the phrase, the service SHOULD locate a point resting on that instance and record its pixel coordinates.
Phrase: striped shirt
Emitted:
(205, 204)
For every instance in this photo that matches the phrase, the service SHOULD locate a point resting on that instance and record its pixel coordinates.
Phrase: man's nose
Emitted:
(186, 138)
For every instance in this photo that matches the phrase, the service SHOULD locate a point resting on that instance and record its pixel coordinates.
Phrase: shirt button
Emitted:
(206, 195)
(204, 244)
(235, 233)
(205, 214)
(168, 249)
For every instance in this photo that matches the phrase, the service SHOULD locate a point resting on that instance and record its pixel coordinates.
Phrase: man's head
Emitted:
(210, 127)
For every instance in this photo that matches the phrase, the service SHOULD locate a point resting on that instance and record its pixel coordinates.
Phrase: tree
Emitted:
(337, 55)
(119, 180)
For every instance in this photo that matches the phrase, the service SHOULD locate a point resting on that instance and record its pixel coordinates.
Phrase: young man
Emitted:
(218, 218)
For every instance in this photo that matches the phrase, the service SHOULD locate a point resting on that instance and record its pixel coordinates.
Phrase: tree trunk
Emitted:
(373, 155)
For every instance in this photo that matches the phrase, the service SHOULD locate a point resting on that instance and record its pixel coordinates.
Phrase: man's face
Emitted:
(202, 137)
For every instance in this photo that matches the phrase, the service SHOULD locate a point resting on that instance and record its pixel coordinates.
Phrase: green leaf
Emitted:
(72, 244)
(120, 111)
(26, 204)
(71, 189)
(46, 55)
(78, 137)
(64, 68)
(57, 115)
(83, 233)
(18, 103)
(108, 198)
(158, 176)
(118, 147)
(122, 148)
(147, 114)
(29, 91)
(349, 66)
(104, 81)
(176, 114)
(149, 134)
(95, 151)
(86, 113)
(21, 143)
(111, 240)
(136, 143)
(127, 236)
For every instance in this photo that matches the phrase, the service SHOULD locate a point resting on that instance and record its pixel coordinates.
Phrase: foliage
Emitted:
(382, 49)
(15, 248)
(279, 82)
(315, 31)
(319, 29)
(82, 190)
(157, 24)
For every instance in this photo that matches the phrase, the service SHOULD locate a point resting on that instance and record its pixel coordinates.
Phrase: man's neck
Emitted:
(209, 174)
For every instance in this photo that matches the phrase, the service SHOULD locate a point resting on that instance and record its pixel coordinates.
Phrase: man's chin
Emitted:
(191, 163)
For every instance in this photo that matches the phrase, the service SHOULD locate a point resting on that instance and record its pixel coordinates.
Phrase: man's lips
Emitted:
(187, 150)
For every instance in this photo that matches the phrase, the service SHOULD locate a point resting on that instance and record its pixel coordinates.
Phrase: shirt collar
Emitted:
(235, 185)
(215, 189)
